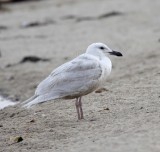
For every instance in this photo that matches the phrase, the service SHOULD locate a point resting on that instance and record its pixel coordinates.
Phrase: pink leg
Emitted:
(77, 108)
(80, 108)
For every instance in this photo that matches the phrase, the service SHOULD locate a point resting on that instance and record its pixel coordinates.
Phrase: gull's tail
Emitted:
(28, 100)
(36, 99)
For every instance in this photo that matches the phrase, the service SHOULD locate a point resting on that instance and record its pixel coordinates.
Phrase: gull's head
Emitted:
(100, 49)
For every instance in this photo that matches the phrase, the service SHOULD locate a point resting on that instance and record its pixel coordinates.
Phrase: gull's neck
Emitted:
(98, 54)
(105, 60)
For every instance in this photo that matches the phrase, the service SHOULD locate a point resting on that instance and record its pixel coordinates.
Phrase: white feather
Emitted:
(75, 78)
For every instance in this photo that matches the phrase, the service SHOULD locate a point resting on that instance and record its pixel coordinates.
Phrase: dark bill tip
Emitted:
(115, 53)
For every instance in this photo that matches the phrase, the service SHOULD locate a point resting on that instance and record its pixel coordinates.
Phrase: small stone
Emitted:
(11, 77)
(51, 130)
(106, 108)
(12, 115)
(93, 119)
(32, 120)
(16, 139)
(101, 90)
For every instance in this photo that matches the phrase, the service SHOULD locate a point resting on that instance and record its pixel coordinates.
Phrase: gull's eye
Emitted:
(101, 47)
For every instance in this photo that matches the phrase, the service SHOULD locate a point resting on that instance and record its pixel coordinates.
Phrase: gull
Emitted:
(76, 78)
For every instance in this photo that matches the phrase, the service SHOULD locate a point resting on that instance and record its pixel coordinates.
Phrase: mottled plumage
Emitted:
(76, 78)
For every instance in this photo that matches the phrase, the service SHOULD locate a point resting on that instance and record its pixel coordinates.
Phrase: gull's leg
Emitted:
(77, 108)
(80, 108)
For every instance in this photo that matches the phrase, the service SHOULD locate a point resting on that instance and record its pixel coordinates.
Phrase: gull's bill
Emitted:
(116, 53)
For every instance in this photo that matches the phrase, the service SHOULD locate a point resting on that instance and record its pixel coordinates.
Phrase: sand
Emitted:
(125, 117)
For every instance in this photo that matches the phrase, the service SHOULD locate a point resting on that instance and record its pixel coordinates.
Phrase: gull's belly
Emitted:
(89, 88)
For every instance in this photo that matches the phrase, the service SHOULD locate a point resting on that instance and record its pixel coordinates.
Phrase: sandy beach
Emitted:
(38, 36)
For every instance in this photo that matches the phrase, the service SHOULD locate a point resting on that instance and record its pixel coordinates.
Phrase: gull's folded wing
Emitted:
(76, 76)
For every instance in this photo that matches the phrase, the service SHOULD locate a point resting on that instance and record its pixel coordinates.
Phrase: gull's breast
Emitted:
(106, 67)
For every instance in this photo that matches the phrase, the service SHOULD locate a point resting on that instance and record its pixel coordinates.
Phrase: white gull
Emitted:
(76, 78)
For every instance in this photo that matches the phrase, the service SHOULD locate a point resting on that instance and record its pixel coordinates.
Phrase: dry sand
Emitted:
(126, 118)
